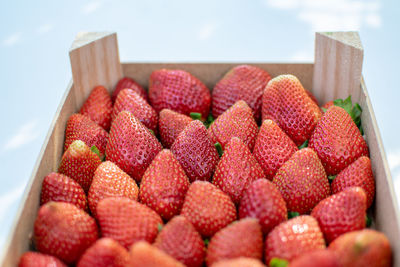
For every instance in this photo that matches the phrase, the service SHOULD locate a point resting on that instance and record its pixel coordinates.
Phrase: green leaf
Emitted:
(368, 221)
(195, 115)
(305, 144)
(152, 132)
(331, 178)
(354, 111)
(209, 121)
(159, 227)
(219, 148)
(206, 242)
(323, 110)
(277, 262)
(95, 150)
(292, 214)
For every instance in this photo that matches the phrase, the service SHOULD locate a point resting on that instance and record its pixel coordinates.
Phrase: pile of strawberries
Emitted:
(153, 179)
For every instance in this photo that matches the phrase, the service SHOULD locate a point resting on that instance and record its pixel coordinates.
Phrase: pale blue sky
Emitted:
(35, 37)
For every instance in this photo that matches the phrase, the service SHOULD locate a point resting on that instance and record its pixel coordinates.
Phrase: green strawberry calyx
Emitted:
(277, 262)
(354, 111)
(197, 116)
(292, 214)
(95, 150)
(304, 145)
(219, 148)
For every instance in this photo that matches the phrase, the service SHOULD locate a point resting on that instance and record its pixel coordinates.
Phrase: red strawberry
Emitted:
(98, 107)
(164, 185)
(312, 96)
(273, 148)
(237, 121)
(131, 145)
(110, 181)
(79, 163)
(236, 170)
(195, 152)
(263, 201)
(130, 84)
(286, 102)
(127, 221)
(208, 208)
(36, 259)
(131, 101)
(240, 239)
(318, 258)
(243, 82)
(239, 262)
(359, 173)
(302, 181)
(80, 127)
(170, 125)
(144, 254)
(292, 238)
(341, 213)
(180, 91)
(362, 248)
(337, 140)
(58, 187)
(105, 252)
(63, 230)
(180, 240)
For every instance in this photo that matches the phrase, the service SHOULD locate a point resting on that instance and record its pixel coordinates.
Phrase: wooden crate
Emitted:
(95, 60)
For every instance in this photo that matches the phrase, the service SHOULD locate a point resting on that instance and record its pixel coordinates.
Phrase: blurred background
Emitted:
(35, 37)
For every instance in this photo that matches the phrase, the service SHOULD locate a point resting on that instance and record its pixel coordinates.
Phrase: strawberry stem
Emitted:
(277, 262)
(292, 214)
(305, 144)
(219, 148)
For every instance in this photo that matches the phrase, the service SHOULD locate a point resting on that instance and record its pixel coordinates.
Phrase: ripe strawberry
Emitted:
(127, 221)
(341, 213)
(362, 248)
(240, 239)
(243, 82)
(312, 96)
(130, 84)
(79, 163)
(144, 254)
(58, 187)
(195, 152)
(63, 230)
(164, 185)
(237, 121)
(208, 208)
(180, 91)
(36, 259)
(180, 240)
(273, 148)
(131, 145)
(337, 140)
(98, 107)
(263, 201)
(302, 181)
(131, 101)
(80, 127)
(292, 238)
(105, 252)
(110, 181)
(359, 173)
(286, 102)
(170, 125)
(318, 258)
(239, 262)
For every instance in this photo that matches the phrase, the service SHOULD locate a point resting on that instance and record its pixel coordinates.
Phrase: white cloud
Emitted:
(206, 31)
(10, 198)
(25, 134)
(12, 39)
(91, 7)
(45, 28)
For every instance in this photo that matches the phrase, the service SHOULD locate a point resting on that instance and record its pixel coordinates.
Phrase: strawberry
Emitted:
(170, 125)
(58, 187)
(318, 258)
(180, 91)
(240, 239)
(236, 170)
(273, 148)
(36, 259)
(110, 181)
(63, 230)
(98, 107)
(243, 82)
(292, 238)
(127, 221)
(302, 181)
(362, 248)
(80, 127)
(105, 252)
(131, 145)
(237, 121)
(359, 173)
(312, 96)
(341, 213)
(337, 140)
(79, 163)
(144, 254)
(195, 152)
(131, 101)
(208, 208)
(286, 102)
(263, 201)
(327, 105)
(164, 185)
(180, 240)
(239, 262)
(129, 83)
